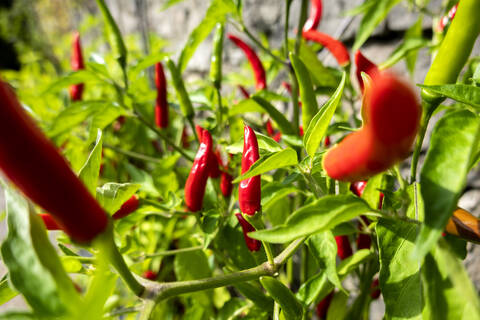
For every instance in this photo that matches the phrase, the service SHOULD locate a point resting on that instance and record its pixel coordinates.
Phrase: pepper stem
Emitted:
(106, 246)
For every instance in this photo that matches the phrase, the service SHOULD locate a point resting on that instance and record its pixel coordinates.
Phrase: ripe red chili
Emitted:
(252, 244)
(322, 306)
(375, 289)
(244, 91)
(392, 118)
(344, 249)
(127, 207)
(271, 132)
(50, 224)
(35, 166)
(150, 275)
(226, 178)
(315, 15)
(249, 195)
(197, 179)
(76, 90)
(185, 139)
(161, 103)
(364, 65)
(213, 164)
(336, 48)
(255, 63)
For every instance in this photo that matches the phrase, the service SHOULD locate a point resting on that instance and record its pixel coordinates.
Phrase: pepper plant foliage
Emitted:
(165, 262)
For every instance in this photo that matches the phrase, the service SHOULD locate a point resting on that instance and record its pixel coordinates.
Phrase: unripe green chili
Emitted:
(454, 49)
(216, 60)
(114, 35)
(182, 95)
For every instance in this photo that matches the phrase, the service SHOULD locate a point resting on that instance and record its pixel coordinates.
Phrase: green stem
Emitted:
(285, 28)
(295, 102)
(220, 111)
(107, 247)
(428, 109)
(170, 252)
(163, 136)
(260, 45)
(131, 154)
(301, 22)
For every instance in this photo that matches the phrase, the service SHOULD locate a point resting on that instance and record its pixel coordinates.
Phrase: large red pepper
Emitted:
(255, 63)
(252, 244)
(161, 103)
(344, 249)
(197, 179)
(76, 90)
(364, 65)
(336, 48)
(392, 118)
(249, 196)
(315, 15)
(127, 207)
(35, 166)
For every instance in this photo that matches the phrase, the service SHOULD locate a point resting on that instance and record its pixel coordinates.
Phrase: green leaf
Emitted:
(320, 75)
(291, 308)
(281, 121)
(33, 264)
(216, 12)
(405, 48)
(264, 143)
(415, 31)
(318, 286)
(370, 20)
(6, 292)
(324, 248)
(399, 272)
(284, 158)
(18, 315)
(453, 143)
(448, 291)
(73, 77)
(91, 169)
(111, 196)
(319, 124)
(337, 310)
(463, 93)
(307, 94)
(146, 62)
(252, 292)
(323, 214)
(371, 194)
(102, 118)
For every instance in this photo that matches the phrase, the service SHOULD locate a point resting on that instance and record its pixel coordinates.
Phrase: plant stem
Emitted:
(163, 136)
(260, 45)
(220, 111)
(192, 125)
(296, 104)
(285, 28)
(170, 252)
(301, 22)
(131, 154)
(107, 247)
(428, 109)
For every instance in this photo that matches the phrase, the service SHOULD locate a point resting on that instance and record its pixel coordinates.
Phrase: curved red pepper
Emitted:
(392, 118)
(127, 207)
(364, 65)
(161, 103)
(249, 195)
(213, 164)
(336, 48)
(226, 185)
(322, 306)
(252, 244)
(76, 90)
(315, 15)
(49, 222)
(197, 179)
(344, 249)
(35, 166)
(255, 63)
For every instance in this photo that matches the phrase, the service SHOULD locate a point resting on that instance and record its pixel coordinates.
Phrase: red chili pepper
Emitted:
(36, 167)
(249, 195)
(252, 244)
(150, 275)
(315, 15)
(49, 222)
(358, 187)
(375, 289)
(392, 118)
(322, 306)
(271, 132)
(364, 65)
(213, 163)
(197, 179)
(244, 91)
(336, 48)
(76, 90)
(226, 178)
(344, 249)
(255, 63)
(127, 207)
(185, 141)
(300, 131)
(161, 104)
(445, 20)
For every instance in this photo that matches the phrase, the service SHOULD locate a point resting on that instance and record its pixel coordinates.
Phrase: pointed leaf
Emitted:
(91, 169)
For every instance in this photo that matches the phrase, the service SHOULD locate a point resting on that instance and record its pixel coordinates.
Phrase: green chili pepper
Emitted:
(307, 95)
(114, 35)
(216, 61)
(454, 49)
(292, 309)
(182, 95)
